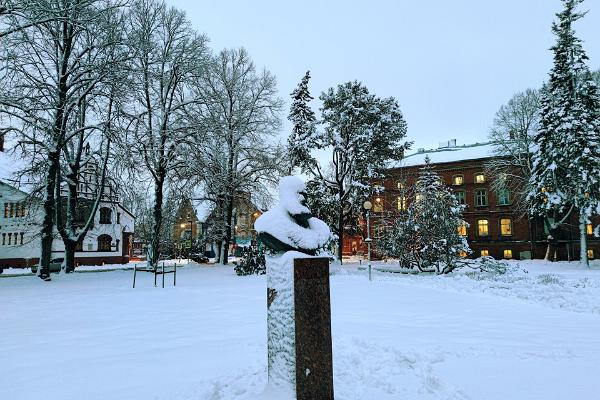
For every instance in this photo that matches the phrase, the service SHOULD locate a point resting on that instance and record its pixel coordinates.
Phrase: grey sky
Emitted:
(450, 64)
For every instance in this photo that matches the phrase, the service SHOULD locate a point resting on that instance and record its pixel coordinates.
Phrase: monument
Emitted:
(298, 308)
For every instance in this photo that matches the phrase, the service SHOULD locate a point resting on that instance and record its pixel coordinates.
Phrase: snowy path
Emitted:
(531, 336)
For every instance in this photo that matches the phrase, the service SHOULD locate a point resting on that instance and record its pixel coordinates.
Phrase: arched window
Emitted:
(105, 215)
(104, 242)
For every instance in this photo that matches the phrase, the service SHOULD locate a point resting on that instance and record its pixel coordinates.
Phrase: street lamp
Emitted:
(367, 205)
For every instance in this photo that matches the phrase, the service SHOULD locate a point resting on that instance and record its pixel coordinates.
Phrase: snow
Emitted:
(10, 164)
(278, 221)
(448, 154)
(524, 335)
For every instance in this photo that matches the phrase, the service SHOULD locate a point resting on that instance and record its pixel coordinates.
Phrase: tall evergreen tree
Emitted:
(566, 165)
(304, 120)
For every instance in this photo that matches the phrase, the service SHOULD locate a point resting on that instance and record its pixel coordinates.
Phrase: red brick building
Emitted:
(495, 227)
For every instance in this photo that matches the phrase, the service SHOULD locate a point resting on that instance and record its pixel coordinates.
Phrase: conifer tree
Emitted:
(428, 235)
(304, 120)
(566, 164)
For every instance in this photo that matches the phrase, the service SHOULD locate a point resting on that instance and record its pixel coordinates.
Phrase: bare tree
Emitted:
(239, 114)
(514, 127)
(167, 53)
(50, 68)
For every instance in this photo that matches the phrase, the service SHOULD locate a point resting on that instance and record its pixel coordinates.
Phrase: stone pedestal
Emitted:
(314, 361)
(299, 325)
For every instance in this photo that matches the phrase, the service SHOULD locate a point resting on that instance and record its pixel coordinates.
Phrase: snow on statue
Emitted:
(290, 231)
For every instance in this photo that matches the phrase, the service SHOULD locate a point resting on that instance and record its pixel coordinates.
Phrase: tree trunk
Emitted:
(340, 233)
(69, 262)
(47, 231)
(227, 237)
(154, 251)
(583, 257)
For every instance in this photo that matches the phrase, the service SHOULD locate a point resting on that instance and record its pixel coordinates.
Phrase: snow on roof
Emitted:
(447, 154)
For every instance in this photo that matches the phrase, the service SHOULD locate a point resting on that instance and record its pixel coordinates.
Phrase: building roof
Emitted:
(448, 154)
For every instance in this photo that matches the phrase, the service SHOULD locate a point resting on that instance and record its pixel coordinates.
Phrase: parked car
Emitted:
(55, 265)
(198, 258)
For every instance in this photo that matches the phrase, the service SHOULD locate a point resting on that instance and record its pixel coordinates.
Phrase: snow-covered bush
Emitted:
(428, 235)
(252, 262)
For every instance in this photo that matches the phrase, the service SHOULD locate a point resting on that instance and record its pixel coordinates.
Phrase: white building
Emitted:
(109, 240)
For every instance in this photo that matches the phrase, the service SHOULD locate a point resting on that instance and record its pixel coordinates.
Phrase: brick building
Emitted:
(495, 227)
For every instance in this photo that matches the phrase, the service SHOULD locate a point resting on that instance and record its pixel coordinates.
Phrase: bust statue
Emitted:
(289, 225)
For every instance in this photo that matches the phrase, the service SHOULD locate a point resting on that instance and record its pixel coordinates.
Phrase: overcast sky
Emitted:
(450, 64)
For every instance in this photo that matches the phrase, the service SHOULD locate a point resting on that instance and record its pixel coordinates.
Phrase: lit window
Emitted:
(480, 178)
(458, 180)
(462, 230)
(505, 227)
(419, 197)
(461, 197)
(504, 197)
(484, 252)
(402, 203)
(590, 254)
(401, 185)
(589, 229)
(508, 253)
(483, 227)
(463, 254)
(378, 205)
(481, 198)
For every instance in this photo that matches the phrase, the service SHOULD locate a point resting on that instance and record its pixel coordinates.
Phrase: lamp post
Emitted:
(367, 206)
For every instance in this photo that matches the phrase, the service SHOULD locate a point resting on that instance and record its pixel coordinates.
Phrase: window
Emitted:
(590, 254)
(463, 254)
(419, 197)
(402, 203)
(481, 198)
(503, 197)
(484, 253)
(9, 238)
(458, 180)
(21, 234)
(461, 197)
(3, 239)
(104, 243)
(105, 215)
(118, 218)
(401, 185)
(483, 227)
(6, 210)
(505, 227)
(462, 230)
(378, 205)
(589, 229)
(508, 253)
(479, 178)
(79, 246)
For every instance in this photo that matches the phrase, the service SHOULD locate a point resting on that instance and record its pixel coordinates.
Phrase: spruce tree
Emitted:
(566, 164)
(428, 235)
(304, 123)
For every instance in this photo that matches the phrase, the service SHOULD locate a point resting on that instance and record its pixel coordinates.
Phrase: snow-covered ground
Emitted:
(532, 335)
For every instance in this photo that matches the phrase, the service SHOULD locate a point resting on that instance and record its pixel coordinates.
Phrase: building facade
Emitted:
(109, 240)
(495, 228)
